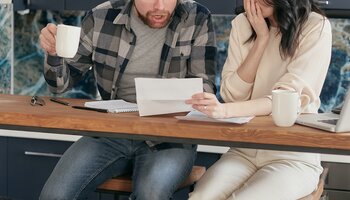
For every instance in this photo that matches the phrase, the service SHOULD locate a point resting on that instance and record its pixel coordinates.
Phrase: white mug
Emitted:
(285, 107)
(67, 40)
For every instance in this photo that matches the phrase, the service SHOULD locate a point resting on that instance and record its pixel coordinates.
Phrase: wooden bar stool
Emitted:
(316, 195)
(123, 184)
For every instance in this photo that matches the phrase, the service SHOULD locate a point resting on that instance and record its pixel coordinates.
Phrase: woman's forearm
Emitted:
(247, 71)
(255, 107)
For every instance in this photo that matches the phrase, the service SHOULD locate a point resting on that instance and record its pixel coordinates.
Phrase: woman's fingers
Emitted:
(253, 8)
(201, 102)
(206, 103)
(203, 95)
(258, 11)
(202, 99)
(206, 109)
(214, 111)
(247, 8)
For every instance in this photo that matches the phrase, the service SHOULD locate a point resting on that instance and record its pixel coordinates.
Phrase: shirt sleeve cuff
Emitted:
(54, 60)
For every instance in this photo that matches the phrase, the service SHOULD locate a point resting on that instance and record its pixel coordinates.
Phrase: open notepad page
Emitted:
(113, 106)
(198, 116)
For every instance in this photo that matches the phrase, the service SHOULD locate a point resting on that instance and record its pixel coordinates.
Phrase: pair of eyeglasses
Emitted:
(37, 101)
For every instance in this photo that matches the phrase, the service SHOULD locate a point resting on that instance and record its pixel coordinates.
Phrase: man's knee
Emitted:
(57, 193)
(148, 193)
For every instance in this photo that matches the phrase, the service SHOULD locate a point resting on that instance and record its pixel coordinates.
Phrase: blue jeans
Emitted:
(157, 171)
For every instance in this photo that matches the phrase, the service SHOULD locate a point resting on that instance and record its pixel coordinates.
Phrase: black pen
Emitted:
(93, 109)
(59, 101)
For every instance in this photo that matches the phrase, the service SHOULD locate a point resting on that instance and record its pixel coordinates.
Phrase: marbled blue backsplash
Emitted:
(5, 47)
(28, 61)
(29, 58)
(338, 76)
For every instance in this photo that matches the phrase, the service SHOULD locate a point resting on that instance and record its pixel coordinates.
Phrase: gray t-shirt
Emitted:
(145, 59)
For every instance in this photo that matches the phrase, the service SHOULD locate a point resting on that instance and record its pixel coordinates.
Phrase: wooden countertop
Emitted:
(16, 113)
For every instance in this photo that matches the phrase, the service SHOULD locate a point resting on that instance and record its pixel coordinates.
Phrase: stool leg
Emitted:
(118, 196)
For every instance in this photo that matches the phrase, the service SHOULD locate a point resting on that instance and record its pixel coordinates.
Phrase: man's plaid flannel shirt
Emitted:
(107, 43)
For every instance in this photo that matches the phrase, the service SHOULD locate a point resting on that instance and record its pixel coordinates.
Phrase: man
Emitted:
(122, 40)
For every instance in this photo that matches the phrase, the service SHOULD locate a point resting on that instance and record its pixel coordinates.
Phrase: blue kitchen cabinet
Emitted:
(334, 4)
(337, 185)
(82, 4)
(332, 8)
(38, 5)
(216, 7)
(30, 162)
(3, 166)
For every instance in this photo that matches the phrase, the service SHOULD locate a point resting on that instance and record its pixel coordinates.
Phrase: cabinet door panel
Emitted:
(223, 7)
(30, 163)
(82, 4)
(334, 4)
(46, 5)
(3, 166)
(216, 7)
(326, 4)
(332, 8)
(338, 176)
(337, 195)
(38, 4)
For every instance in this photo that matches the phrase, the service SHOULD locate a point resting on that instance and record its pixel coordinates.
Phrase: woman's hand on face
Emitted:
(256, 18)
(208, 104)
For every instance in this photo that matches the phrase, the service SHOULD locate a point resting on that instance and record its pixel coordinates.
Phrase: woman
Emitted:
(275, 44)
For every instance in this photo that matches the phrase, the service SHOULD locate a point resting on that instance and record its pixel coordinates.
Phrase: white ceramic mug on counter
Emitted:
(67, 40)
(285, 107)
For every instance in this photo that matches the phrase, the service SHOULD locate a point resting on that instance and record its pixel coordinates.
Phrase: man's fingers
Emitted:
(47, 46)
(48, 36)
(52, 28)
(48, 39)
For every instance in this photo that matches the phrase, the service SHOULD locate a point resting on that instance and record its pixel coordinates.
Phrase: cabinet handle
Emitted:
(52, 155)
(322, 2)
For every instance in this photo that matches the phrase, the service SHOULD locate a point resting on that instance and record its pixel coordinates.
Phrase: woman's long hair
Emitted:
(290, 16)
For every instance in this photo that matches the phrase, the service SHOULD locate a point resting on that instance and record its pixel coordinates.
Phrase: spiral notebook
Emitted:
(113, 106)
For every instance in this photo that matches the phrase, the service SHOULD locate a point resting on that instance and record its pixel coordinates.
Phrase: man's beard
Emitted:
(165, 17)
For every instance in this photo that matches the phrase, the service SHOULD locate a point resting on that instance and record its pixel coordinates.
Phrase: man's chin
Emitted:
(157, 25)
(155, 22)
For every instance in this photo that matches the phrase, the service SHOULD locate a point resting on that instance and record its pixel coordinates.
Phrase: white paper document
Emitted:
(198, 116)
(161, 96)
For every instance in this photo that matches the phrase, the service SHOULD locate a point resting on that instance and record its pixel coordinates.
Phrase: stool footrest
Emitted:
(124, 183)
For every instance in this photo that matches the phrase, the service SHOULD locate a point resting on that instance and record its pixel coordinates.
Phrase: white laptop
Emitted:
(329, 121)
